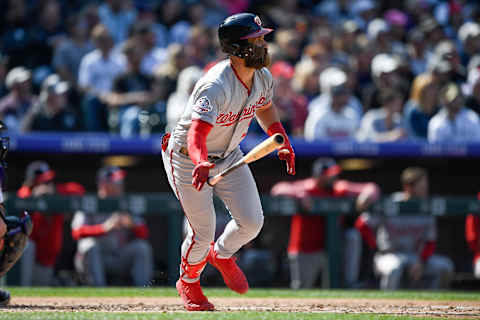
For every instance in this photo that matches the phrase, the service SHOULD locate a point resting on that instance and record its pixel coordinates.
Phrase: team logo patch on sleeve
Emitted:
(202, 105)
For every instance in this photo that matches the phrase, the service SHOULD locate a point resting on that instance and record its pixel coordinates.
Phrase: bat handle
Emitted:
(213, 180)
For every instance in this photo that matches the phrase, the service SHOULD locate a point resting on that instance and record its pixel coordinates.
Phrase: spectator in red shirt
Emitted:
(112, 247)
(472, 235)
(306, 249)
(40, 255)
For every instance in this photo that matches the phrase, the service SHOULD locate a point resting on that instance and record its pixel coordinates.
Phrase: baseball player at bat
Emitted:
(205, 142)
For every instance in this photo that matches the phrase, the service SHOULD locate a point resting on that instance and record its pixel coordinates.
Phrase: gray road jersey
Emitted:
(402, 233)
(110, 242)
(221, 99)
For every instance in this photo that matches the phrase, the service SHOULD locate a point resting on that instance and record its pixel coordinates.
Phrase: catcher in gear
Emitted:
(14, 231)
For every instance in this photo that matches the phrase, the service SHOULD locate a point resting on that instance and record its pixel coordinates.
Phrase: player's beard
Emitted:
(258, 59)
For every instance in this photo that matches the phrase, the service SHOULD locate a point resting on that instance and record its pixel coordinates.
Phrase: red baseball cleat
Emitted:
(231, 273)
(193, 297)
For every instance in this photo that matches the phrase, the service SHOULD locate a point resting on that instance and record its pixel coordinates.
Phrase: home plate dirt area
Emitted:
(441, 309)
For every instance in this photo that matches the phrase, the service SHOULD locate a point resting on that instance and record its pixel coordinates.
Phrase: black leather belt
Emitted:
(184, 151)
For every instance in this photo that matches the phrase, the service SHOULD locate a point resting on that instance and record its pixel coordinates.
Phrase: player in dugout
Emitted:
(46, 242)
(306, 248)
(405, 246)
(472, 236)
(112, 246)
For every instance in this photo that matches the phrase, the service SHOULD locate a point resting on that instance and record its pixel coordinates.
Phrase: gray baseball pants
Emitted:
(134, 260)
(31, 272)
(391, 268)
(238, 192)
(305, 268)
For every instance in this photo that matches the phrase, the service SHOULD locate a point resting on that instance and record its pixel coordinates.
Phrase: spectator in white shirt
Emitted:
(384, 124)
(455, 122)
(336, 120)
(328, 78)
(97, 71)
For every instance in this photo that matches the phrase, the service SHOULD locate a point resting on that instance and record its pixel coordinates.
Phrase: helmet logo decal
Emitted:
(257, 21)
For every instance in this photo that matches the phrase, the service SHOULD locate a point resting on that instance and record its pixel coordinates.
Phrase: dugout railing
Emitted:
(165, 204)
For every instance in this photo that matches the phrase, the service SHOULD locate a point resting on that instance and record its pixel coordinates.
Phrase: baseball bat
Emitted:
(261, 150)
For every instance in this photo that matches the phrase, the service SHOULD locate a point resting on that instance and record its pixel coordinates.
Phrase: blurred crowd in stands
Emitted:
(377, 71)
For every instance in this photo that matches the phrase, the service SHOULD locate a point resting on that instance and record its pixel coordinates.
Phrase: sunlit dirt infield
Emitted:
(454, 309)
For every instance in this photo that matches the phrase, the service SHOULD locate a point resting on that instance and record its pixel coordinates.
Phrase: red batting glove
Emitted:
(286, 151)
(200, 174)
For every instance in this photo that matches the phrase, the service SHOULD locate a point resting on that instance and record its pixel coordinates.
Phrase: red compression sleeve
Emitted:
(70, 189)
(197, 141)
(277, 127)
(366, 232)
(472, 232)
(88, 231)
(428, 250)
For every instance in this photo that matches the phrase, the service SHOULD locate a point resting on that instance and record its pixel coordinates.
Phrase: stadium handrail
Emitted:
(104, 143)
(165, 203)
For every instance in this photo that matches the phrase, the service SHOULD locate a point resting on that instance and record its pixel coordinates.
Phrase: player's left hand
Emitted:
(200, 174)
(367, 197)
(286, 153)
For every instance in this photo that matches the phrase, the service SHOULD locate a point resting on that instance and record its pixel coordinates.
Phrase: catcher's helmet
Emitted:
(235, 31)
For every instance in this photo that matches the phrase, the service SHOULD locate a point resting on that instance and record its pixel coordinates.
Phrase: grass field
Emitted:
(163, 303)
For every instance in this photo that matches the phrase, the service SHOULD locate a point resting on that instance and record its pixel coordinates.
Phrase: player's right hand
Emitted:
(112, 223)
(286, 153)
(200, 174)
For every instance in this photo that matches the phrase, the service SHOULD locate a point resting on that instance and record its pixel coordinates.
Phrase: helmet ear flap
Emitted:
(236, 49)
(232, 48)
(239, 49)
